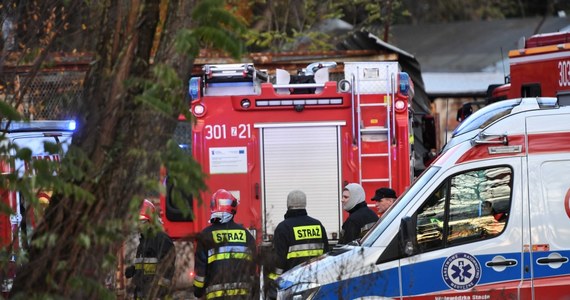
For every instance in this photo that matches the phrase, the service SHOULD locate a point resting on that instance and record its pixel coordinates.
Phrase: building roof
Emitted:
(461, 84)
(464, 58)
(474, 46)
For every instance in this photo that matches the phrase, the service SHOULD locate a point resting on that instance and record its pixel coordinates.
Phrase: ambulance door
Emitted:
(306, 157)
(468, 232)
(549, 205)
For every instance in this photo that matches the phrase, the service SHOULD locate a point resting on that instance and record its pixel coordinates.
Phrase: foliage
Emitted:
(133, 96)
(289, 25)
(278, 25)
(216, 28)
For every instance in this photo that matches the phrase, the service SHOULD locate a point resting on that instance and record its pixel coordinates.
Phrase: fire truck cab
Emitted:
(16, 227)
(488, 219)
(261, 134)
(540, 68)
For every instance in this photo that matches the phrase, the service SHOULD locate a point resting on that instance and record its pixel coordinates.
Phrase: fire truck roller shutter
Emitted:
(302, 158)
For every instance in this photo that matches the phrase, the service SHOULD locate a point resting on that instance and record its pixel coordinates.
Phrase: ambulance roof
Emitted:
(492, 112)
(44, 125)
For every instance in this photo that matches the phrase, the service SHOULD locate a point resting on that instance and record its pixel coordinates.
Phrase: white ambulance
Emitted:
(489, 219)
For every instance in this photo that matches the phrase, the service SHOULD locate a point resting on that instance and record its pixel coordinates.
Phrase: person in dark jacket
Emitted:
(299, 237)
(155, 258)
(361, 218)
(385, 198)
(224, 264)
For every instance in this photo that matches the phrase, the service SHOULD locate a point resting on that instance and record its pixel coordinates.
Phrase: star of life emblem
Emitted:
(461, 271)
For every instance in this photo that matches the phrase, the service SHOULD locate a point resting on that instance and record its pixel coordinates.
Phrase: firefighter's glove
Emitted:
(130, 271)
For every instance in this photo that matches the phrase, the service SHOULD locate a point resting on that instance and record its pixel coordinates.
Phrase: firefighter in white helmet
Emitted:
(224, 259)
(155, 258)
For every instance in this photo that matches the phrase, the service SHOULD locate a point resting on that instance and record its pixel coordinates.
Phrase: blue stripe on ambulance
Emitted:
(380, 283)
(386, 282)
(430, 284)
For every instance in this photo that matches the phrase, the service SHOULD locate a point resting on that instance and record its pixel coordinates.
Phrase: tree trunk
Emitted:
(115, 130)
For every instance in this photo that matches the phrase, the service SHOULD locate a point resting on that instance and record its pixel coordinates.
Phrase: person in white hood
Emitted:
(361, 217)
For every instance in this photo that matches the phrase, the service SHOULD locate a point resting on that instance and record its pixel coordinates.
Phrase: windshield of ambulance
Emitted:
(402, 202)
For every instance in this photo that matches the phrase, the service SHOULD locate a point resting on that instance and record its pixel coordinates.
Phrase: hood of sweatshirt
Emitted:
(356, 196)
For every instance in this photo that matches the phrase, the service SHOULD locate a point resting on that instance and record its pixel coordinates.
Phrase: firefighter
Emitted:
(361, 218)
(297, 238)
(155, 258)
(223, 264)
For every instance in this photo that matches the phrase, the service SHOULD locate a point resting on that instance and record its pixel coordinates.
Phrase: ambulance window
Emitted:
(469, 206)
(430, 217)
(478, 206)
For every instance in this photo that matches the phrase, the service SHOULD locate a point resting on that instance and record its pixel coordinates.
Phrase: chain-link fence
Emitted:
(51, 94)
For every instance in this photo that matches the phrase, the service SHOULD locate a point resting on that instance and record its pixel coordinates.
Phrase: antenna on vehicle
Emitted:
(446, 117)
(503, 63)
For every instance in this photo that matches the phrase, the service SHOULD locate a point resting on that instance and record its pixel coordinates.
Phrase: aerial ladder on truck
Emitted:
(367, 144)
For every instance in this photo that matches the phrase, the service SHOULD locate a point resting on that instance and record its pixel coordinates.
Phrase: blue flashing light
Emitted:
(194, 87)
(404, 83)
(72, 125)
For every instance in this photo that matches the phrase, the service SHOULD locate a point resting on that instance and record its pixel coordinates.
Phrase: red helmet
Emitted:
(147, 210)
(223, 201)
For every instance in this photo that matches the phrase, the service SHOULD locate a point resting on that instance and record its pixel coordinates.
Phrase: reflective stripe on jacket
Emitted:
(224, 264)
(228, 289)
(155, 257)
(297, 239)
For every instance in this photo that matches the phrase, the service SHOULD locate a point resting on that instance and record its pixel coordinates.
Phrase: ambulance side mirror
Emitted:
(407, 236)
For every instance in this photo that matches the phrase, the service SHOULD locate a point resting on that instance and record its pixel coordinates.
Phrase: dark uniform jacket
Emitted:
(360, 220)
(297, 239)
(224, 266)
(154, 265)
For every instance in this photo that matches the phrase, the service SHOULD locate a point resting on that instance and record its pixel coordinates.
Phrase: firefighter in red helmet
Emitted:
(224, 264)
(155, 258)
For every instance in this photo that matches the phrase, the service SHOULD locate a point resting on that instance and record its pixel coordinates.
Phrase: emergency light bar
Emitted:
(26, 126)
(294, 102)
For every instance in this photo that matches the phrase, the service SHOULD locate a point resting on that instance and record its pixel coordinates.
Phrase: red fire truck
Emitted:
(540, 68)
(261, 135)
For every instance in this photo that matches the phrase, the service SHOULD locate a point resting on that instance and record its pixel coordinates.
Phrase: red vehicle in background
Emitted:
(541, 68)
(260, 135)
(16, 226)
